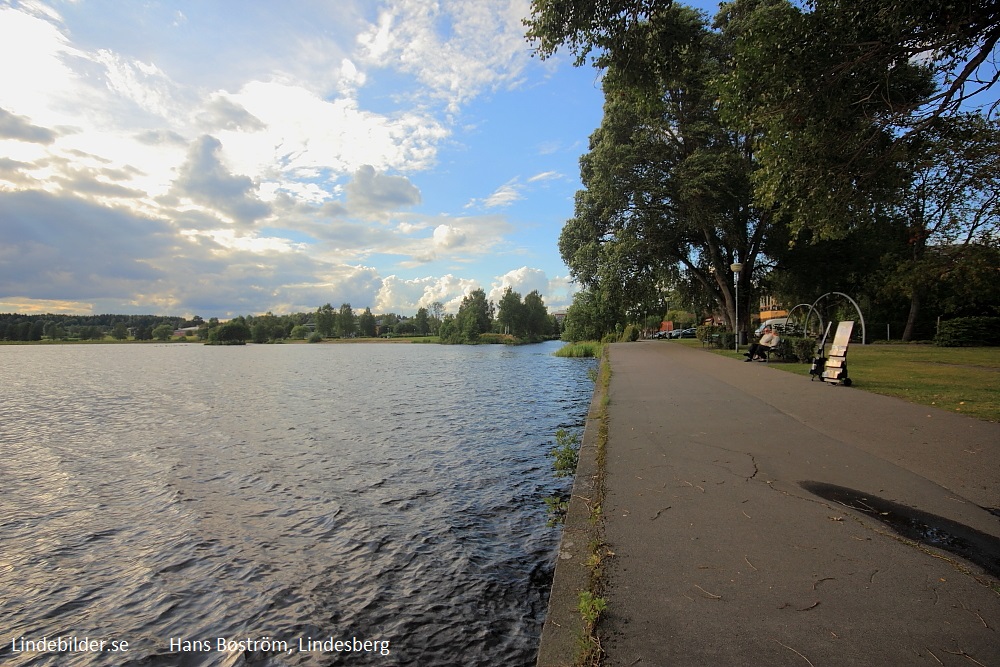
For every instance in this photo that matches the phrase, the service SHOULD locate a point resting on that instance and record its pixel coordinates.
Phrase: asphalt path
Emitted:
(750, 515)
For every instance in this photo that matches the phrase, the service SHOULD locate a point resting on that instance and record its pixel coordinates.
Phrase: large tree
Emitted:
(475, 316)
(346, 324)
(668, 195)
(510, 313)
(326, 320)
(422, 321)
(950, 207)
(590, 317)
(366, 323)
(536, 316)
(825, 119)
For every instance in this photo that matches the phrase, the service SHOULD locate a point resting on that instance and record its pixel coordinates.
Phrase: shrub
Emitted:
(706, 332)
(631, 334)
(716, 336)
(969, 331)
(565, 453)
(802, 349)
(496, 339)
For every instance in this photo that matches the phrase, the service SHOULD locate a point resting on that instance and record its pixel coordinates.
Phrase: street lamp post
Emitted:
(736, 268)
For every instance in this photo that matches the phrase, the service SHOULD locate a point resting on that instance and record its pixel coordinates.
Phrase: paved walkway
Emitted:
(723, 558)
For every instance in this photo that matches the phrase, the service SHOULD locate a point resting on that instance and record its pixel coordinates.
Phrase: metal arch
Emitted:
(805, 323)
(864, 335)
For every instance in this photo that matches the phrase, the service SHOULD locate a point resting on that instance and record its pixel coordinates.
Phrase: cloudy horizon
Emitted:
(185, 160)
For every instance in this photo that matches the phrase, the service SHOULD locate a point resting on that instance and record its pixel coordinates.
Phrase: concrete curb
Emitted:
(563, 629)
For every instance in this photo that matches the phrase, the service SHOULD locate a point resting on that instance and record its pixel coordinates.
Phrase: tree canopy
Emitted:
(668, 193)
(826, 89)
(781, 125)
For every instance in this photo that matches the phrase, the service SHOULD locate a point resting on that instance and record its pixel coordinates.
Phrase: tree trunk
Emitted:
(911, 319)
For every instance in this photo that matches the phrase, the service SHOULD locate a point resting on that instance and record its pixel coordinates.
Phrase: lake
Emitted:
(362, 504)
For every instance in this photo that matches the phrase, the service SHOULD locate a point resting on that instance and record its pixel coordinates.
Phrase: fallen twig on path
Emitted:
(796, 653)
(711, 595)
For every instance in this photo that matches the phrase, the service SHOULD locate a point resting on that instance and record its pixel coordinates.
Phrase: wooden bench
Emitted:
(783, 350)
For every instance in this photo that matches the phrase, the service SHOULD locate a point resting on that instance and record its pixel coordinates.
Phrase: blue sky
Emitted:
(217, 159)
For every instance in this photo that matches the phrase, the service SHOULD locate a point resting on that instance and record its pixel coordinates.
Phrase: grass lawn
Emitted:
(958, 379)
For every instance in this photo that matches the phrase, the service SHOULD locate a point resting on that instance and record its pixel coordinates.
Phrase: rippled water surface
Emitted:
(184, 493)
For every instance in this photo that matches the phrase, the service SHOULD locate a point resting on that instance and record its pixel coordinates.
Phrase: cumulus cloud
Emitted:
(305, 134)
(204, 179)
(371, 193)
(20, 128)
(523, 281)
(559, 294)
(398, 295)
(447, 237)
(222, 113)
(357, 285)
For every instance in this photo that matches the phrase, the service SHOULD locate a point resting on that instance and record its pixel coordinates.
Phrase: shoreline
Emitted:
(564, 628)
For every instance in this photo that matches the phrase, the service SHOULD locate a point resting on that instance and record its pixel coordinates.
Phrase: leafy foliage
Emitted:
(565, 453)
(668, 196)
(969, 331)
(821, 140)
(233, 332)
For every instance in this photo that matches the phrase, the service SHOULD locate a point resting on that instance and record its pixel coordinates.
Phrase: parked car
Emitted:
(688, 333)
(775, 322)
(782, 327)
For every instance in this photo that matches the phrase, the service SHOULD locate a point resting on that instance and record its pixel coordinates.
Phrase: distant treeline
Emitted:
(513, 319)
(326, 322)
(18, 327)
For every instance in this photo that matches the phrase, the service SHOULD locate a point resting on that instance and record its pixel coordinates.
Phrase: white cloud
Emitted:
(545, 176)
(523, 281)
(141, 83)
(222, 113)
(510, 192)
(448, 237)
(557, 292)
(455, 48)
(559, 295)
(205, 180)
(503, 196)
(302, 132)
(256, 179)
(38, 91)
(350, 76)
(407, 296)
